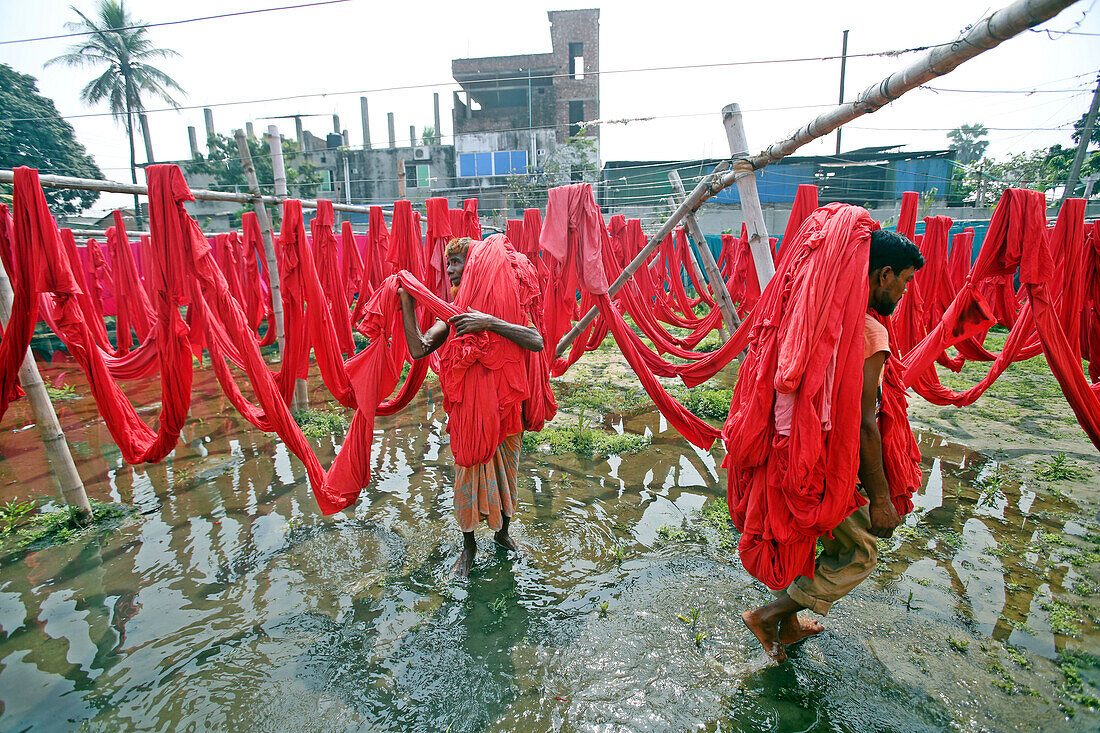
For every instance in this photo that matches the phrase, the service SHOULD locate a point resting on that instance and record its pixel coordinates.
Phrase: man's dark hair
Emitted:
(893, 250)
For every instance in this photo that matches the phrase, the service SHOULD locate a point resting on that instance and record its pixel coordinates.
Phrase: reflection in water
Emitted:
(229, 602)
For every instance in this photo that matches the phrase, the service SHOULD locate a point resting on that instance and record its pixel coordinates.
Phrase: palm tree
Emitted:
(115, 40)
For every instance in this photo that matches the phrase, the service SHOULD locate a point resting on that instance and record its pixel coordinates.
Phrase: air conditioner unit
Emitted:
(422, 153)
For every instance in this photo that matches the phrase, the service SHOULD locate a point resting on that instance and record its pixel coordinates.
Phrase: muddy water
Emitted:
(228, 602)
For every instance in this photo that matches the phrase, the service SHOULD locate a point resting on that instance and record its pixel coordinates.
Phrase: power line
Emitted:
(452, 83)
(172, 22)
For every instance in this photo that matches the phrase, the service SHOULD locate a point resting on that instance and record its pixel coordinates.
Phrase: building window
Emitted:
(576, 116)
(576, 174)
(416, 175)
(576, 61)
(501, 163)
(327, 180)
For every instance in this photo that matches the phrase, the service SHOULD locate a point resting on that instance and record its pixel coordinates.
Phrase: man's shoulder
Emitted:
(875, 336)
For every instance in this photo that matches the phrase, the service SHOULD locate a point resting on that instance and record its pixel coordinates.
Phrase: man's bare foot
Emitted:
(766, 632)
(465, 561)
(793, 629)
(505, 540)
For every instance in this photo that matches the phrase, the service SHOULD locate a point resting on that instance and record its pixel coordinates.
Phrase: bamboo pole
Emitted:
(745, 178)
(702, 191)
(714, 275)
(300, 399)
(45, 419)
(693, 263)
(265, 233)
(200, 194)
(986, 34)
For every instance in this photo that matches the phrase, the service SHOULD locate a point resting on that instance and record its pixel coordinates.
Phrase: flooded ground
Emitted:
(228, 602)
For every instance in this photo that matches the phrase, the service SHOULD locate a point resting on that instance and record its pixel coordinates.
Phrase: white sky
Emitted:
(364, 45)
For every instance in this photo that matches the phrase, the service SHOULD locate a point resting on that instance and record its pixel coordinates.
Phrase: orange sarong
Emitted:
(491, 489)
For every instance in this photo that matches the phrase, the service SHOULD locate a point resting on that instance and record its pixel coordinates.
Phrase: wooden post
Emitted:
(703, 190)
(147, 136)
(265, 232)
(714, 275)
(45, 419)
(745, 178)
(694, 264)
(300, 400)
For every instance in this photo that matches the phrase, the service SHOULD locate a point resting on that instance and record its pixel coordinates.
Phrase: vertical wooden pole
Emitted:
(694, 264)
(750, 199)
(265, 232)
(278, 173)
(45, 419)
(714, 275)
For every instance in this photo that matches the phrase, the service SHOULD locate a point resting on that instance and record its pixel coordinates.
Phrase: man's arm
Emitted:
(420, 344)
(884, 517)
(474, 321)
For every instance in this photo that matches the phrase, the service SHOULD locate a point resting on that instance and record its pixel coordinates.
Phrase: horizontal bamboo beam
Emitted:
(200, 194)
(988, 33)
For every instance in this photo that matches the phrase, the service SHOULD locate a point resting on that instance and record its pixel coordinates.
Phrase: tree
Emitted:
(116, 41)
(967, 142)
(1079, 126)
(223, 164)
(33, 134)
(427, 135)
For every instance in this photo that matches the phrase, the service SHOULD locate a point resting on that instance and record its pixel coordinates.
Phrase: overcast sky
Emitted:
(360, 46)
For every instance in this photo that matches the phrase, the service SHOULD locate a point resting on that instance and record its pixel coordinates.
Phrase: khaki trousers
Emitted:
(845, 561)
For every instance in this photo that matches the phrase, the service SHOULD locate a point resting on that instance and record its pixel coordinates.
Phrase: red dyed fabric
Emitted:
(376, 260)
(333, 286)
(307, 318)
(514, 231)
(134, 308)
(439, 233)
(529, 245)
(99, 273)
(785, 491)
(1089, 269)
(257, 291)
(907, 219)
(805, 202)
(40, 255)
(89, 307)
(471, 224)
(574, 235)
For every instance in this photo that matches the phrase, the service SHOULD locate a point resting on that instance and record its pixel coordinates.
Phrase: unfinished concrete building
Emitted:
(515, 115)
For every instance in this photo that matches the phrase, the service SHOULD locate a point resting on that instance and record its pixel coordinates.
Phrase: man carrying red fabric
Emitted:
(850, 554)
(486, 384)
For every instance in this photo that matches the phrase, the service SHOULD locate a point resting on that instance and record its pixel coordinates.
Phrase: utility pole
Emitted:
(1082, 145)
(843, 64)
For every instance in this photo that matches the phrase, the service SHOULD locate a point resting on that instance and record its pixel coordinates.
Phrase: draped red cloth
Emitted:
(333, 285)
(1089, 267)
(257, 291)
(805, 202)
(907, 219)
(529, 244)
(471, 224)
(786, 491)
(575, 237)
(99, 273)
(307, 318)
(89, 307)
(439, 233)
(134, 308)
(514, 231)
(351, 265)
(376, 260)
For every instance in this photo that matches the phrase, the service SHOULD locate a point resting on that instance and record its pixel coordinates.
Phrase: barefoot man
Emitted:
(850, 554)
(485, 383)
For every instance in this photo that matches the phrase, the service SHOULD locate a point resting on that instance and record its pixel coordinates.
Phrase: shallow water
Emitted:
(229, 602)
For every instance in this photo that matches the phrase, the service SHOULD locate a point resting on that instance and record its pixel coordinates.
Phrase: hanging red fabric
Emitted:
(439, 234)
(333, 287)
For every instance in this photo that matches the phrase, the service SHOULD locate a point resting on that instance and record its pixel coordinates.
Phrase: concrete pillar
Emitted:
(193, 138)
(208, 116)
(366, 122)
(393, 133)
(438, 129)
(336, 124)
(249, 129)
(149, 157)
(412, 136)
(298, 131)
